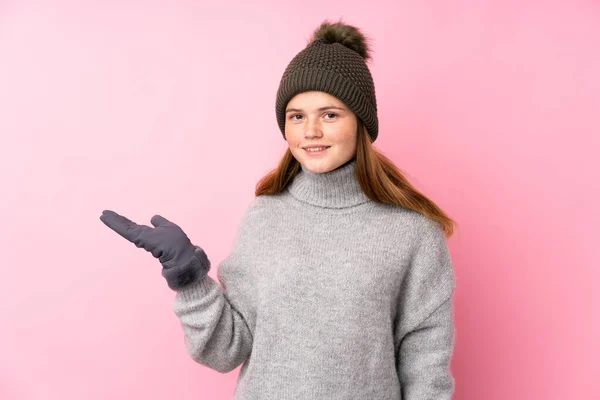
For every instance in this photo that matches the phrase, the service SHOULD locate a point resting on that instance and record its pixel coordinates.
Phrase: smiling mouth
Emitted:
(316, 149)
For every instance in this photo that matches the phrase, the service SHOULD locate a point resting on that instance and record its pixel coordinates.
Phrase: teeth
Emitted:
(316, 148)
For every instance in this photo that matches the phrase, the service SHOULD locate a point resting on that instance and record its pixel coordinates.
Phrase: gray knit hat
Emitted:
(334, 62)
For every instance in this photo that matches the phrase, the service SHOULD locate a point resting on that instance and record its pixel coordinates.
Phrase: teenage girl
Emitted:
(339, 283)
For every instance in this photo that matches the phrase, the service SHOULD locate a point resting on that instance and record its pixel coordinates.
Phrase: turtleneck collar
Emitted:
(334, 189)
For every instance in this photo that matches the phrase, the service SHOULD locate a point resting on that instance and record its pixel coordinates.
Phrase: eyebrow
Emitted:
(320, 109)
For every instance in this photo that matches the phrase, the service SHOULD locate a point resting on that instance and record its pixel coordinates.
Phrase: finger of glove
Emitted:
(159, 220)
(118, 223)
(158, 242)
(147, 238)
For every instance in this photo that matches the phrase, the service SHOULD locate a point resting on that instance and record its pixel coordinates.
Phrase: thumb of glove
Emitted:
(159, 220)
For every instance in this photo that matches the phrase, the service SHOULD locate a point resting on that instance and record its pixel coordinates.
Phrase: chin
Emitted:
(320, 166)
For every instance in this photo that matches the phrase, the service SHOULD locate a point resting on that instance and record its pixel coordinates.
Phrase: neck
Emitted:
(338, 188)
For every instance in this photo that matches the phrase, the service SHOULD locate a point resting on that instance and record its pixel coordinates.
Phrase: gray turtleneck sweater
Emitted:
(327, 295)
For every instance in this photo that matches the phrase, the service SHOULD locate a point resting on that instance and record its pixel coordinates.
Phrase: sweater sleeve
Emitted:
(425, 327)
(215, 333)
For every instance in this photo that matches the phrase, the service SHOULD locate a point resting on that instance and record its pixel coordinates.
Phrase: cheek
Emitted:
(344, 134)
(293, 133)
(288, 130)
(291, 137)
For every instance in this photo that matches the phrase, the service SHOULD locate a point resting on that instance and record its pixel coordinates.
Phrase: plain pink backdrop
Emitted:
(492, 108)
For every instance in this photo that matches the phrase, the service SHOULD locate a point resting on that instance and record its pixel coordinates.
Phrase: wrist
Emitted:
(184, 274)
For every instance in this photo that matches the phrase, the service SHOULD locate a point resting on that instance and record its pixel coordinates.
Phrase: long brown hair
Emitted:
(379, 178)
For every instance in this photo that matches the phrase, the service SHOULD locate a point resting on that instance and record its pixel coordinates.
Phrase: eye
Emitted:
(334, 115)
(294, 115)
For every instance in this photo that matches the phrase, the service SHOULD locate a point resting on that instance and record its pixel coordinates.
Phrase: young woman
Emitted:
(339, 283)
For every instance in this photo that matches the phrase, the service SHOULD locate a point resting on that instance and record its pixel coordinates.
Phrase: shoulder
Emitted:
(260, 209)
(262, 203)
(411, 224)
(430, 255)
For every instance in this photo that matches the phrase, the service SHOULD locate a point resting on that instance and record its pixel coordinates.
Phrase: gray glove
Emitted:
(183, 263)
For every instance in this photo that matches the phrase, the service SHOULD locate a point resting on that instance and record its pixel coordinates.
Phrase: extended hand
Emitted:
(167, 242)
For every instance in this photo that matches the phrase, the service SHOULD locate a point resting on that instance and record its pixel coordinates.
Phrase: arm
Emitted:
(214, 317)
(424, 357)
(426, 324)
(216, 335)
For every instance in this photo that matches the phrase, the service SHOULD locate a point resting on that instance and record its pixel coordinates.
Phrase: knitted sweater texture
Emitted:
(327, 295)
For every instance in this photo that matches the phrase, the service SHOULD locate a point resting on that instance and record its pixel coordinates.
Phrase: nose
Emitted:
(313, 128)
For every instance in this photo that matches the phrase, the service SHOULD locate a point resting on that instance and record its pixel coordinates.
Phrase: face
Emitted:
(318, 119)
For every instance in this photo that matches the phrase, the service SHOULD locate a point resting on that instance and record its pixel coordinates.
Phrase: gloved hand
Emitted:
(183, 263)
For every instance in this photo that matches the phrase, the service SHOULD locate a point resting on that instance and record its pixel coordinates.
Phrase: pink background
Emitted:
(491, 108)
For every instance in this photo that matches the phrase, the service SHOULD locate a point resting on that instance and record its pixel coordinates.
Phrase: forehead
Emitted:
(314, 99)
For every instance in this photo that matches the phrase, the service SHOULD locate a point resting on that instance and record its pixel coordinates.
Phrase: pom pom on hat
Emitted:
(348, 35)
